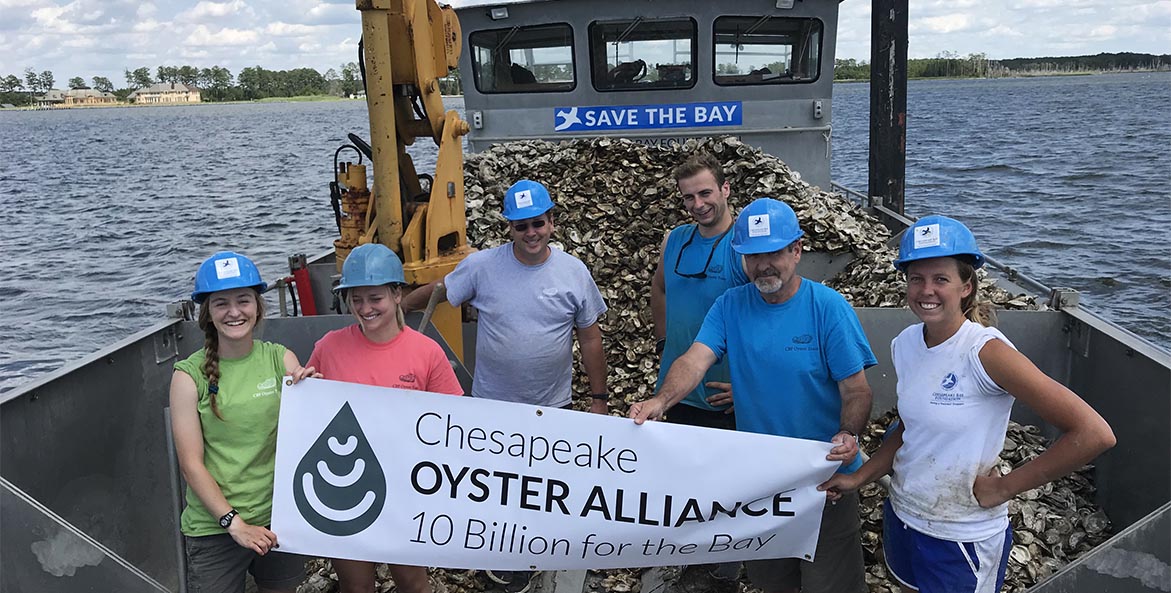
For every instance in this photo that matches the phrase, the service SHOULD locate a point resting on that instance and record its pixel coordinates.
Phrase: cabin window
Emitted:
(638, 54)
(523, 59)
(766, 50)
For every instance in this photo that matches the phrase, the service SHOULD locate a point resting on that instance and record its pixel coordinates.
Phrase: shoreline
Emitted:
(1031, 74)
(330, 98)
(297, 99)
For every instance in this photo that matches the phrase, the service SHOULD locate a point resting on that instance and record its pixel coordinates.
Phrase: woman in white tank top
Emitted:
(946, 525)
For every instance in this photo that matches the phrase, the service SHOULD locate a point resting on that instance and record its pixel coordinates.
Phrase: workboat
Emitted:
(91, 491)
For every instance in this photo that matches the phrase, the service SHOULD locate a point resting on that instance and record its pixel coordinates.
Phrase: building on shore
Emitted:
(88, 97)
(75, 98)
(166, 93)
(51, 98)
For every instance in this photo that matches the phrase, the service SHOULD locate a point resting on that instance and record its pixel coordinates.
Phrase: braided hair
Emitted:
(211, 350)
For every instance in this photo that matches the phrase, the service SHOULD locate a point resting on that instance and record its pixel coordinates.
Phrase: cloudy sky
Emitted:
(105, 37)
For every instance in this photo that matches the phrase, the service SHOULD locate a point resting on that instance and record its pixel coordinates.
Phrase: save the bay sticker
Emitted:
(640, 117)
(407, 477)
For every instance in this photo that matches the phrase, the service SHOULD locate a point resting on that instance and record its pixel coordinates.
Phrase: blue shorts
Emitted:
(933, 565)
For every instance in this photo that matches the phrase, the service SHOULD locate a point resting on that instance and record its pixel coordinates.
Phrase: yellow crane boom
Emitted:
(408, 45)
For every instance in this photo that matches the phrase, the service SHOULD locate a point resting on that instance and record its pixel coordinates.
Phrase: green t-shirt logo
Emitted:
(342, 503)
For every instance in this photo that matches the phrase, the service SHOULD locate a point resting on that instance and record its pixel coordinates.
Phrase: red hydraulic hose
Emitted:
(304, 291)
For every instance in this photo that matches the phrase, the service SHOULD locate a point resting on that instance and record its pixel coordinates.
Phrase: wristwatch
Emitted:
(226, 520)
(851, 434)
(603, 396)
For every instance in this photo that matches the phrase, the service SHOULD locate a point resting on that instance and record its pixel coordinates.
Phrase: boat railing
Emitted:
(1004, 271)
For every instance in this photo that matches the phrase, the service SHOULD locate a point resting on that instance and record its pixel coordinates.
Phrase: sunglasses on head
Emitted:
(521, 227)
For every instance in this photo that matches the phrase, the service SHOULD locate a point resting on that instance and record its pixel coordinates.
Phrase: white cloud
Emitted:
(941, 24)
(49, 17)
(80, 43)
(214, 11)
(288, 30)
(8, 5)
(147, 26)
(201, 36)
(1104, 32)
(1002, 31)
(332, 14)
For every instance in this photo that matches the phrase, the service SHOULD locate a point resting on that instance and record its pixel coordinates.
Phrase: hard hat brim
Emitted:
(200, 296)
(529, 212)
(764, 244)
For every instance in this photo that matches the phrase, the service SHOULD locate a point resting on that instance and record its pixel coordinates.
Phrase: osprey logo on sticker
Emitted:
(758, 226)
(227, 268)
(523, 198)
(927, 236)
(569, 119)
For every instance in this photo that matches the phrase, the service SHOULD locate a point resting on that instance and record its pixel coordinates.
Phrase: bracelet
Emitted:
(659, 344)
(604, 396)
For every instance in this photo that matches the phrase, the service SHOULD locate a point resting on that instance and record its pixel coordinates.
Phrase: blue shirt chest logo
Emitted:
(638, 117)
(949, 381)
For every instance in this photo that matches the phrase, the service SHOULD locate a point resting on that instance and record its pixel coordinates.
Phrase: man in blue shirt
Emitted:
(797, 357)
(697, 264)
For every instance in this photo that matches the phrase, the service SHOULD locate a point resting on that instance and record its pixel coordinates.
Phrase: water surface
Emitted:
(108, 212)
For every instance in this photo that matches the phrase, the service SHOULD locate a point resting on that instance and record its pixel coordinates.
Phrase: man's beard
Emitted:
(768, 284)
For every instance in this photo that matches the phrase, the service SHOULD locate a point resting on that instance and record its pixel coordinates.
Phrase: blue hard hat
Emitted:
(526, 199)
(224, 271)
(937, 236)
(372, 264)
(764, 226)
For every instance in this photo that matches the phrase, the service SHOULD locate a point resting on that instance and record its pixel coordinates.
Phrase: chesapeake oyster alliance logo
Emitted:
(339, 487)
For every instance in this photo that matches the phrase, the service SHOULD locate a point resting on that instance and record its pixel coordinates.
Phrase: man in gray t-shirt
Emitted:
(531, 299)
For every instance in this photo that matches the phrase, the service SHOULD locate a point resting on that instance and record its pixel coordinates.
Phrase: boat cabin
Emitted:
(761, 70)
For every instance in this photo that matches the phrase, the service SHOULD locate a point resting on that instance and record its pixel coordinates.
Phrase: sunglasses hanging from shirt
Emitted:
(715, 244)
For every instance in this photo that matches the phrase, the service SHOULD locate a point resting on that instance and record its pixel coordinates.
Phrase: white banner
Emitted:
(408, 477)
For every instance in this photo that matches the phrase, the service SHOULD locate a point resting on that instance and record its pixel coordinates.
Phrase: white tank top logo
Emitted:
(947, 397)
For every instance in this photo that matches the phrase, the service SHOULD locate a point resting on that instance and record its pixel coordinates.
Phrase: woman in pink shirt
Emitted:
(380, 350)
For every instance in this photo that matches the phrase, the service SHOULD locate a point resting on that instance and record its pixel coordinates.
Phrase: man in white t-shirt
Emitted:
(532, 299)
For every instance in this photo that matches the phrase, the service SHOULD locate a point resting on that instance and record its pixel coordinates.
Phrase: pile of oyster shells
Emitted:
(616, 198)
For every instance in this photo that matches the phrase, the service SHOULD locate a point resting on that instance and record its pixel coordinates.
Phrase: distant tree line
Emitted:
(1098, 63)
(951, 65)
(215, 83)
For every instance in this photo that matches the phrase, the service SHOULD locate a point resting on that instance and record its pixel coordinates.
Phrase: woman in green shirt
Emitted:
(225, 400)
